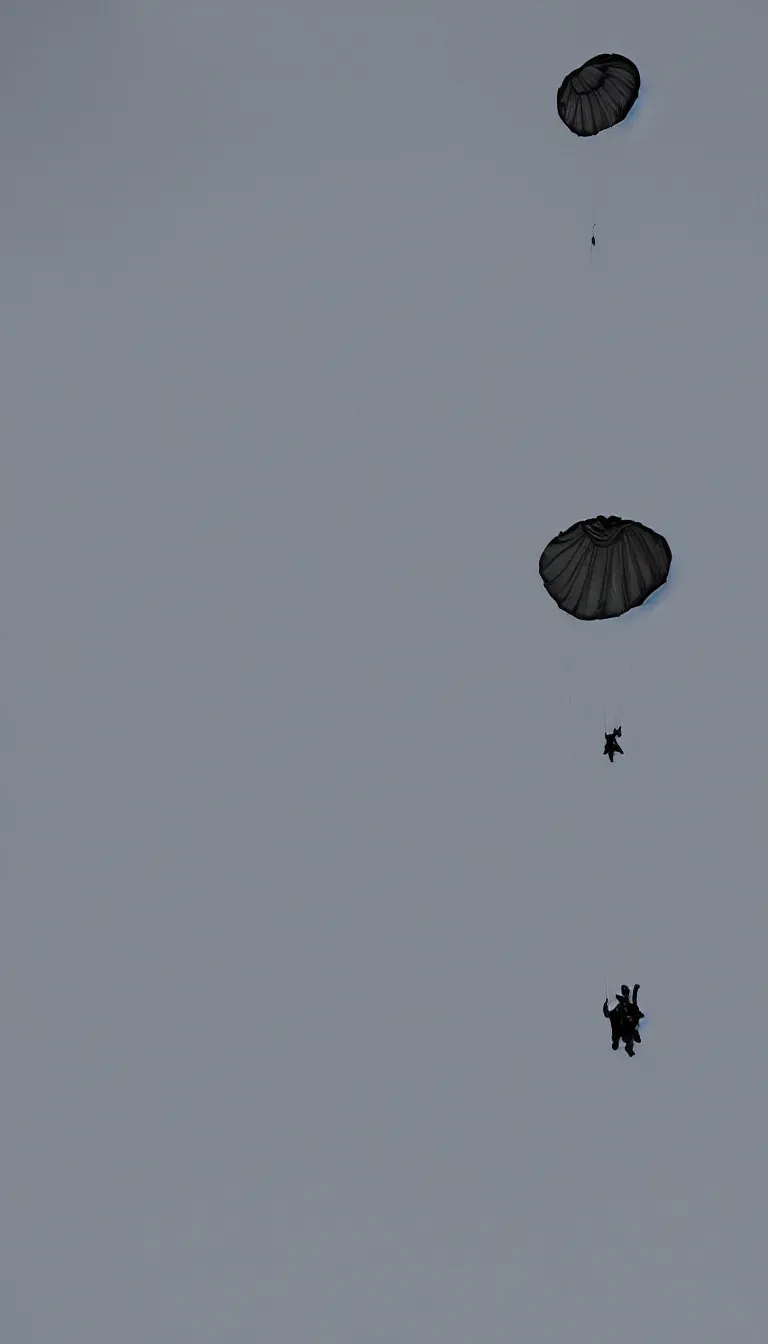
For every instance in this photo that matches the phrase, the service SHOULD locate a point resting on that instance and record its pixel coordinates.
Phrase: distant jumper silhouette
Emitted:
(625, 1019)
(611, 744)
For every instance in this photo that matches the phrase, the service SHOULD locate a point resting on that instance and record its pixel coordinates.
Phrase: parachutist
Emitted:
(611, 744)
(625, 1018)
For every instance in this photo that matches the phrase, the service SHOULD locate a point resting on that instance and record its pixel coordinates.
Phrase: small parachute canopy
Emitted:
(602, 567)
(599, 94)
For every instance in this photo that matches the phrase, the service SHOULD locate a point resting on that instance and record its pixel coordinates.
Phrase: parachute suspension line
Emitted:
(570, 714)
(615, 719)
(594, 215)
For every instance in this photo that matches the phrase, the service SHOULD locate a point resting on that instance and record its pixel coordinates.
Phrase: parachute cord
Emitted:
(594, 214)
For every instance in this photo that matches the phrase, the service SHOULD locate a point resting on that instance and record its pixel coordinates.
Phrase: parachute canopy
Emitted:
(599, 94)
(602, 567)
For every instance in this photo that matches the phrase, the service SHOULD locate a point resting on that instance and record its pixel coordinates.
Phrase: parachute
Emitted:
(602, 567)
(599, 94)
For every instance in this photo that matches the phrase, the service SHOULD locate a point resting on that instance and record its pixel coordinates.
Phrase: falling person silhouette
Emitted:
(625, 1018)
(611, 744)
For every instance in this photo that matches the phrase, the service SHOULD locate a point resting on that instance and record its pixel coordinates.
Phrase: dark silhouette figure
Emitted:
(611, 744)
(625, 1019)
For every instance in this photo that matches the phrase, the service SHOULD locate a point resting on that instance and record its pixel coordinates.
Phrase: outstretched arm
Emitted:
(605, 1009)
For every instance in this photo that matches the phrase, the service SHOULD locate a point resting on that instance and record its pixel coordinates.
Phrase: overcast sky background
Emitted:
(312, 869)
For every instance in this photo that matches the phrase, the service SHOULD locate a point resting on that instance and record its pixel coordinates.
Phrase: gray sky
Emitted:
(312, 869)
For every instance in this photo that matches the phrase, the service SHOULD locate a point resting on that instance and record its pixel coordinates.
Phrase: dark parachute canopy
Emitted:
(599, 94)
(602, 567)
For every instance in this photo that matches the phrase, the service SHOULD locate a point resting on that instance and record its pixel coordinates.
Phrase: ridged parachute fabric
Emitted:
(602, 567)
(598, 95)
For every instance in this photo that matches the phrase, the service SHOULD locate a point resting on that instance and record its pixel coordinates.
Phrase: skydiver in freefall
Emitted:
(611, 744)
(625, 1019)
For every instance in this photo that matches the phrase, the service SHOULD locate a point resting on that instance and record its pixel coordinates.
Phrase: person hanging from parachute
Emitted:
(611, 744)
(625, 1018)
(600, 568)
(597, 96)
